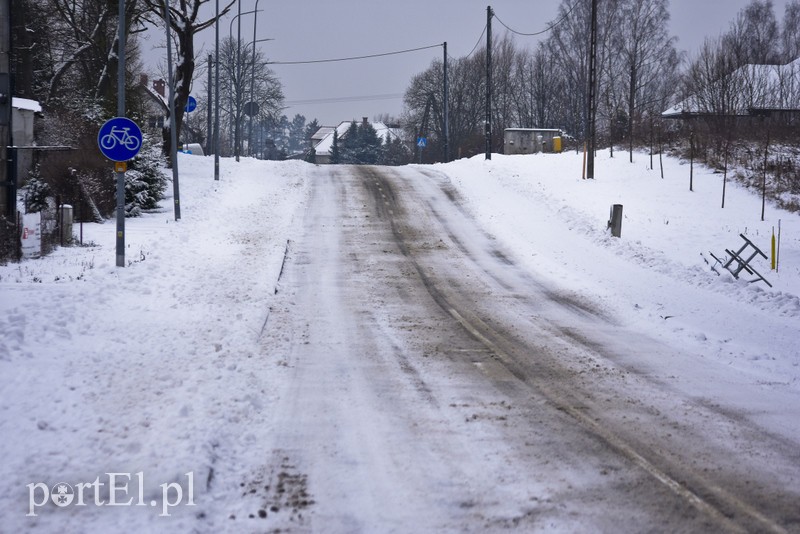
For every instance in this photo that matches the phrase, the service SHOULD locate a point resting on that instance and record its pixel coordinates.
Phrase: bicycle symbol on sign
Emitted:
(121, 136)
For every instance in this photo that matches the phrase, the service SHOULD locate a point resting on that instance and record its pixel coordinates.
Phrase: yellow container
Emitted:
(557, 145)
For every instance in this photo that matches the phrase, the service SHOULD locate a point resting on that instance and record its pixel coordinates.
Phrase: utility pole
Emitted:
(8, 200)
(216, 97)
(208, 111)
(172, 133)
(591, 105)
(252, 82)
(237, 135)
(446, 110)
(489, 15)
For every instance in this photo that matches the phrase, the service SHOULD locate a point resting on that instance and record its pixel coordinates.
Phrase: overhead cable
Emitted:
(337, 100)
(550, 27)
(480, 39)
(307, 62)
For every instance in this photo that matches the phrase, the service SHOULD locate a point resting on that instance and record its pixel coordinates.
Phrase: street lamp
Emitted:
(253, 84)
(238, 71)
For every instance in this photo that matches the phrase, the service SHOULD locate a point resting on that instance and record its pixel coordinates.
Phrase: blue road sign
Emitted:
(191, 104)
(119, 139)
(422, 142)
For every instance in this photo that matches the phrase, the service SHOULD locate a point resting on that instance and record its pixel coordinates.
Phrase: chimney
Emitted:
(364, 121)
(160, 87)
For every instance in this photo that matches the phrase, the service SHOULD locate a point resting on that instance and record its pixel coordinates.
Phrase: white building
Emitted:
(23, 113)
(322, 140)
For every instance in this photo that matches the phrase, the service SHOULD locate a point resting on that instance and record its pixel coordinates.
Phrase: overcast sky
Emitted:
(333, 92)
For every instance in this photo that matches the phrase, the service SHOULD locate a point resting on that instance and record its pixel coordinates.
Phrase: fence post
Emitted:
(615, 222)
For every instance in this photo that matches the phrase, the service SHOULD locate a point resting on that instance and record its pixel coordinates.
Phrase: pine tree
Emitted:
(350, 145)
(336, 156)
(36, 191)
(395, 152)
(145, 181)
(369, 146)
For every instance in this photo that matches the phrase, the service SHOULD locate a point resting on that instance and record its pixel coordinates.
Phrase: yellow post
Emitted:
(773, 248)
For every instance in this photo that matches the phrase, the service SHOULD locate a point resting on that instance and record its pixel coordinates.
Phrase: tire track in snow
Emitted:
(724, 508)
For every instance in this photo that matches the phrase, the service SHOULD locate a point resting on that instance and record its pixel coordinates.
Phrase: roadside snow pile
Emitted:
(655, 276)
(106, 369)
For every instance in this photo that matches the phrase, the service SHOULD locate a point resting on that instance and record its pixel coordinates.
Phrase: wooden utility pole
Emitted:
(209, 105)
(489, 15)
(446, 106)
(8, 195)
(591, 104)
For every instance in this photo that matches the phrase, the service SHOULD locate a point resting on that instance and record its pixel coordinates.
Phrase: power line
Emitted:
(559, 21)
(337, 100)
(477, 43)
(308, 62)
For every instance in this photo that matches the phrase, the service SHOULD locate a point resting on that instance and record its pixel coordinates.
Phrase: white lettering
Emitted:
(140, 476)
(97, 485)
(79, 490)
(113, 488)
(190, 476)
(32, 504)
(165, 503)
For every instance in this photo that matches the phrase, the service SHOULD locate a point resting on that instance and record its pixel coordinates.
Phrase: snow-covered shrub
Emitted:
(145, 180)
(36, 191)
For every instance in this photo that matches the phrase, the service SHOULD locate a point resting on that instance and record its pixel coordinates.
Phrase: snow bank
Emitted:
(140, 369)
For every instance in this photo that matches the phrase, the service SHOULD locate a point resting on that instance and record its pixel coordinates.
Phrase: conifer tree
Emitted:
(336, 156)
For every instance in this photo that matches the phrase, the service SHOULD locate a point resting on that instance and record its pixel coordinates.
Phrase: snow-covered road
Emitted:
(435, 385)
(448, 348)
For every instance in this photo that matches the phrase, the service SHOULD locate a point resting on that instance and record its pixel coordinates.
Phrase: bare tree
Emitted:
(752, 36)
(648, 56)
(790, 35)
(184, 24)
(235, 86)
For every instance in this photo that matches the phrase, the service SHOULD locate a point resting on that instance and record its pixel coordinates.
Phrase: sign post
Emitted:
(121, 54)
(119, 140)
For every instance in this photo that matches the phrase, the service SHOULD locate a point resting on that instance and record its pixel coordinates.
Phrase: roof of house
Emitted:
(26, 104)
(325, 135)
(754, 88)
(320, 134)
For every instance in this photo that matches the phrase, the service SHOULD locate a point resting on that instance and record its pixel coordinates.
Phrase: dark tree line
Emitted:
(66, 57)
(640, 74)
(546, 86)
(361, 145)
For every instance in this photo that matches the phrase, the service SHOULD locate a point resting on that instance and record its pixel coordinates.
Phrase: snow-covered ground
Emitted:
(158, 368)
(656, 276)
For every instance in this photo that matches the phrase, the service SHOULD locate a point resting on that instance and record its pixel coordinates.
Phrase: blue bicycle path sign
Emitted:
(191, 105)
(119, 139)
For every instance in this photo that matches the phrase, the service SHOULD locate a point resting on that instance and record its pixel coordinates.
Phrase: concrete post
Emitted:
(615, 222)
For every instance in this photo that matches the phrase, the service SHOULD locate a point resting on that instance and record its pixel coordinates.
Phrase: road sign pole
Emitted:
(121, 113)
(172, 122)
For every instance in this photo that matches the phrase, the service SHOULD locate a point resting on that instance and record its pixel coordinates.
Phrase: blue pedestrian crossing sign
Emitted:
(191, 104)
(422, 142)
(119, 139)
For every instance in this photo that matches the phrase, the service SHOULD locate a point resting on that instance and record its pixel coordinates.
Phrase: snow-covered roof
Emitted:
(324, 131)
(749, 88)
(26, 104)
(323, 148)
(162, 101)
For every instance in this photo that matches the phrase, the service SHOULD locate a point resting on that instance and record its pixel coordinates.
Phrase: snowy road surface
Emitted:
(448, 348)
(437, 386)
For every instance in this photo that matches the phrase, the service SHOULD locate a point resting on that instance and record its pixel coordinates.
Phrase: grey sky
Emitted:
(314, 29)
